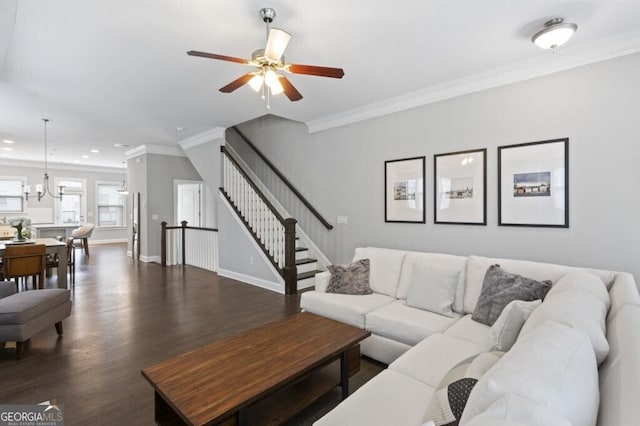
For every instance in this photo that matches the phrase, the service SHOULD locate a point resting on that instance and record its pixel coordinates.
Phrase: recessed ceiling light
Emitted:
(179, 129)
(121, 145)
(6, 148)
(95, 151)
(85, 156)
(7, 141)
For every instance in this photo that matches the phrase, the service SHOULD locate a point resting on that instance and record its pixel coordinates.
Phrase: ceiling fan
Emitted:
(269, 61)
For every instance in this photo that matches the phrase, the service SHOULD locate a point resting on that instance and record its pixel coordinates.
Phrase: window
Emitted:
(110, 204)
(71, 209)
(11, 200)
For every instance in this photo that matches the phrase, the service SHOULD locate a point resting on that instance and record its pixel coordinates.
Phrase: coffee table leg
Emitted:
(243, 417)
(344, 373)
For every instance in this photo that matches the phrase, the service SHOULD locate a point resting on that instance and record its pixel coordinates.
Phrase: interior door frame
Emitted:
(178, 182)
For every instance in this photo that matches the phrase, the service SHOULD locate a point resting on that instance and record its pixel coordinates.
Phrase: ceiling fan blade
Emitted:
(238, 82)
(289, 90)
(216, 56)
(276, 43)
(314, 70)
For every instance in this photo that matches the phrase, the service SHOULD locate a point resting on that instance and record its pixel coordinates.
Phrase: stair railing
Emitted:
(189, 245)
(275, 234)
(284, 179)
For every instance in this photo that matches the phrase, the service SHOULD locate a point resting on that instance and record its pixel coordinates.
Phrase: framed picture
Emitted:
(404, 190)
(533, 184)
(459, 187)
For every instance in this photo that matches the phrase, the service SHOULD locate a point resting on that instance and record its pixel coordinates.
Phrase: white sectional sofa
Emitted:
(575, 361)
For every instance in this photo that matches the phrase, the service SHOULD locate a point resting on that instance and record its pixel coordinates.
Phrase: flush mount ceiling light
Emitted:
(554, 34)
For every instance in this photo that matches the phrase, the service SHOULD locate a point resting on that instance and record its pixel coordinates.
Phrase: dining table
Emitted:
(53, 246)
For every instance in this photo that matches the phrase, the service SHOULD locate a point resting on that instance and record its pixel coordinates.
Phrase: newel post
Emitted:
(163, 244)
(290, 271)
(184, 239)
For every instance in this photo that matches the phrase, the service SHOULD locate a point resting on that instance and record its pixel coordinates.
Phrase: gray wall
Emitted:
(341, 170)
(152, 175)
(34, 177)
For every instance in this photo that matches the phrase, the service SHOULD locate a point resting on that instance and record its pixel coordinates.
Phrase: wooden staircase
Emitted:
(307, 267)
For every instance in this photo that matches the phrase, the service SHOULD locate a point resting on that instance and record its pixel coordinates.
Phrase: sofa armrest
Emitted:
(7, 288)
(322, 281)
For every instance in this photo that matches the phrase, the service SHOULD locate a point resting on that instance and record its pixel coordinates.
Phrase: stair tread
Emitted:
(301, 248)
(310, 274)
(305, 261)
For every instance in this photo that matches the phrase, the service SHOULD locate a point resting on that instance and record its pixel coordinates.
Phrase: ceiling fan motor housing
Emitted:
(267, 14)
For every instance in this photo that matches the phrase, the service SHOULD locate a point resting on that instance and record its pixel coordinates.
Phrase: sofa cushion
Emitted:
(437, 261)
(385, 267)
(477, 267)
(450, 396)
(7, 288)
(24, 306)
(350, 279)
(579, 309)
(501, 287)
(623, 291)
(514, 410)
(430, 359)
(554, 365)
(405, 324)
(433, 290)
(585, 280)
(620, 372)
(343, 307)
(507, 327)
(472, 331)
(390, 398)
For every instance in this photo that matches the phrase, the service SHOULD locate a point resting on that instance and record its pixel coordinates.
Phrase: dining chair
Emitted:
(54, 262)
(23, 261)
(83, 233)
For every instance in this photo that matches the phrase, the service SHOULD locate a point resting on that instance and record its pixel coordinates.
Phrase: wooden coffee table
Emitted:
(224, 379)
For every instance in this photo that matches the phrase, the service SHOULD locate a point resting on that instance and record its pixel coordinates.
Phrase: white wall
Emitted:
(92, 175)
(341, 171)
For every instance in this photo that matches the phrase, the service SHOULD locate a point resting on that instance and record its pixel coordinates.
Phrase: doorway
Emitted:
(189, 202)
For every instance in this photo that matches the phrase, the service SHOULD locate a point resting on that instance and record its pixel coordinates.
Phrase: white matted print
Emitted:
(460, 187)
(404, 190)
(533, 184)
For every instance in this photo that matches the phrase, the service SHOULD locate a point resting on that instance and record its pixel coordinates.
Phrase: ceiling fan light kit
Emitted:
(554, 34)
(269, 63)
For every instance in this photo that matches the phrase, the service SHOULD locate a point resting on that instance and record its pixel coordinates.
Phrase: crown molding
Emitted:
(60, 166)
(544, 64)
(174, 151)
(202, 138)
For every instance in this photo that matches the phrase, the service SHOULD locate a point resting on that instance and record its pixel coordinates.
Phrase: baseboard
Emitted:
(111, 241)
(258, 282)
(151, 259)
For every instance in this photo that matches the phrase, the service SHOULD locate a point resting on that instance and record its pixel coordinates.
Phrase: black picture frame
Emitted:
(404, 191)
(460, 187)
(533, 184)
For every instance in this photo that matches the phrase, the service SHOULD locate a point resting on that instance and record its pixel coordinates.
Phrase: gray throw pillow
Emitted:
(350, 279)
(500, 287)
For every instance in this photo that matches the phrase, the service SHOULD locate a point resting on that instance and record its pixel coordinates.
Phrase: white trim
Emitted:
(151, 259)
(258, 282)
(544, 64)
(202, 138)
(174, 151)
(59, 166)
(111, 241)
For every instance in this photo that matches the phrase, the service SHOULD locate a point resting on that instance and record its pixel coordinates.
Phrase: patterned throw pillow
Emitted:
(350, 279)
(451, 395)
(500, 287)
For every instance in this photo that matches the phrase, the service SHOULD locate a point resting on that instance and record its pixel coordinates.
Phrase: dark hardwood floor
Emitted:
(127, 316)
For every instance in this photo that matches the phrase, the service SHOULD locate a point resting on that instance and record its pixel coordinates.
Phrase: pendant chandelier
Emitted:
(123, 188)
(43, 189)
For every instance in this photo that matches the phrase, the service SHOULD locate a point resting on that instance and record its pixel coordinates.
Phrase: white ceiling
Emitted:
(108, 72)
